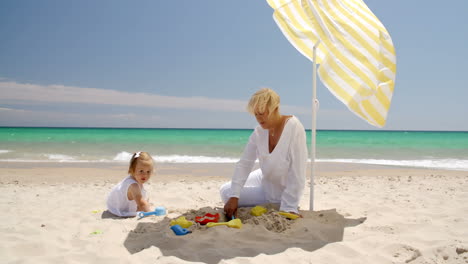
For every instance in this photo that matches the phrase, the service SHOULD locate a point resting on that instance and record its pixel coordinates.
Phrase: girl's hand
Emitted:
(134, 193)
(230, 208)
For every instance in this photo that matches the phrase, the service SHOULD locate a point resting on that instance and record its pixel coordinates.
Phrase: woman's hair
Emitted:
(141, 157)
(263, 99)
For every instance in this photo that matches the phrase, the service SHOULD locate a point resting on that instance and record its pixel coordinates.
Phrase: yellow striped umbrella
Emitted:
(355, 52)
(356, 55)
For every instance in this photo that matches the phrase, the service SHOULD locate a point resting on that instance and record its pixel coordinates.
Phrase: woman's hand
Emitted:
(230, 208)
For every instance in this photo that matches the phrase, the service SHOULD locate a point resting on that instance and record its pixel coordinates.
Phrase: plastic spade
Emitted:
(160, 210)
(289, 215)
(235, 223)
(180, 231)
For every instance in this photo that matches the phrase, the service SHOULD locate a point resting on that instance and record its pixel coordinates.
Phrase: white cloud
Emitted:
(70, 94)
(6, 109)
(46, 105)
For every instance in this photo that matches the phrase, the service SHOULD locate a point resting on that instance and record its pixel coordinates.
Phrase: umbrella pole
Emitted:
(313, 128)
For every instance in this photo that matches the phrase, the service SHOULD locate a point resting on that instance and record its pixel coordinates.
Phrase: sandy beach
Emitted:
(55, 213)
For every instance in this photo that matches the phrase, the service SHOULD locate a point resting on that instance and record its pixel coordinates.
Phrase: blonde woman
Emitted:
(279, 143)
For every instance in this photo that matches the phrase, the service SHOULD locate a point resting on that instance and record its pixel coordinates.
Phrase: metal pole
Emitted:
(313, 128)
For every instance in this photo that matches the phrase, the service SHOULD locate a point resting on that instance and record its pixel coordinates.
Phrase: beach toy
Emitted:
(180, 231)
(182, 222)
(235, 223)
(207, 218)
(160, 210)
(289, 215)
(258, 210)
(97, 232)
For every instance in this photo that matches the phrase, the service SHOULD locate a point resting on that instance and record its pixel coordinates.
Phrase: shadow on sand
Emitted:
(108, 215)
(210, 245)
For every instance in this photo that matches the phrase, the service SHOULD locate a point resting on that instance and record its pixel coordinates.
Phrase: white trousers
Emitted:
(251, 195)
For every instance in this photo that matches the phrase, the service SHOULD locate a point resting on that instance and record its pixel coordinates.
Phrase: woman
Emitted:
(279, 142)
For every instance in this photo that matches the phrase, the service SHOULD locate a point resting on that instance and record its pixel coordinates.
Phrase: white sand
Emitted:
(362, 215)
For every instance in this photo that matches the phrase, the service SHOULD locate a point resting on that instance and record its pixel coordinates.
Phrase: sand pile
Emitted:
(270, 220)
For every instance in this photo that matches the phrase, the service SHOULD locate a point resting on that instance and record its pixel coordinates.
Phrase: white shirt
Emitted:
(117, 201)
(284, 169)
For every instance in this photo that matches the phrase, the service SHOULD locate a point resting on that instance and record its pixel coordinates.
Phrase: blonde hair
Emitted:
(263, 99)
(139, 156)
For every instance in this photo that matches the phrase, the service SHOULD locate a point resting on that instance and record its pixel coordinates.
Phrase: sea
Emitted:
(421, 149)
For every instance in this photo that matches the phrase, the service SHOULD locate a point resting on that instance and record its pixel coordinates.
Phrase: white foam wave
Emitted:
(59, 157)
(3, 151)
(126, 156)
(123, 156)
(450, 164)
(193, 159)
(48, 161)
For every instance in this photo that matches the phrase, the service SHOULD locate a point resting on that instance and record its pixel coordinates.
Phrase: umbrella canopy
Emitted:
(356, 55)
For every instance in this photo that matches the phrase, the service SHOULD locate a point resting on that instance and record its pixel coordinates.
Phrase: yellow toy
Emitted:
(182, 222)
(258, 210)
(289, 215)
(236, 223)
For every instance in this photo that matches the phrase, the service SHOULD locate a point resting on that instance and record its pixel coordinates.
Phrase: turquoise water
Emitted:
(409, 148)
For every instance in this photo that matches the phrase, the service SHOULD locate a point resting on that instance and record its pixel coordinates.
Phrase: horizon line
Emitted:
(188, 128)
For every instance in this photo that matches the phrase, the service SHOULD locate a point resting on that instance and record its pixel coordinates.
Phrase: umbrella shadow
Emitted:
(210, 245)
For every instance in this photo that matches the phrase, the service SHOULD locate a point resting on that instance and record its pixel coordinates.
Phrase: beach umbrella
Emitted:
(355, 52)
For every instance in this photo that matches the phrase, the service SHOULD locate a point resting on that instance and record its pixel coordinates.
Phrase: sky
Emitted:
(195, 64)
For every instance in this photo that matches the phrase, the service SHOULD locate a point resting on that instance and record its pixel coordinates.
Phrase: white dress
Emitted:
(117, 201)
(282, 173)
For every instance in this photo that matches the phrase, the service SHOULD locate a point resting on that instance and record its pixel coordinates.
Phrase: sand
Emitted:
(55, 213)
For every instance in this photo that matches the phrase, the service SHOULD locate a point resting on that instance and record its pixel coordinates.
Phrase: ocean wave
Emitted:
(160, 159)
(449, 164)
(193, 159)
(48, 161)
(124, 157)
(3, 151)
(59, 157)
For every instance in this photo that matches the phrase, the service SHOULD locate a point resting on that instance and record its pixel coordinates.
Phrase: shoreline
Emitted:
(66, 173)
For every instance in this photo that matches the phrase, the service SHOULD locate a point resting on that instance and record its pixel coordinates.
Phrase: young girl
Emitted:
(128, 196)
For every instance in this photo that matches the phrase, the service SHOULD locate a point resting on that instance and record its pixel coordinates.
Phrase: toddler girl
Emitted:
(128, 196)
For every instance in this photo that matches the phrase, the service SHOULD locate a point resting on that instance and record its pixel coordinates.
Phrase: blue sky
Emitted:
(194, 64)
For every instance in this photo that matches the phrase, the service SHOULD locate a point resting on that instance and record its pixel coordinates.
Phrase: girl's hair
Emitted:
(139, 156)
(263, 99)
